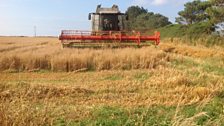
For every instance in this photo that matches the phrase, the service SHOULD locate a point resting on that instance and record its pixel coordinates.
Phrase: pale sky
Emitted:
(18, 17)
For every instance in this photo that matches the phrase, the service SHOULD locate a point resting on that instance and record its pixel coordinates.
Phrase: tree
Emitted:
(135, 11)
(194, 12)
(141, 19)
(216, 11)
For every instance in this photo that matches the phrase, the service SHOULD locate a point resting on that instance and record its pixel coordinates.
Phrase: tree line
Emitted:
(141, 19)
(206, 14)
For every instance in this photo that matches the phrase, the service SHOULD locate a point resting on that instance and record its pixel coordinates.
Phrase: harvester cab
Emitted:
(108, 19)
(108, 30)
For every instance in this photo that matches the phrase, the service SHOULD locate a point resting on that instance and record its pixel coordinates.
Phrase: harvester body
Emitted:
(108, 30)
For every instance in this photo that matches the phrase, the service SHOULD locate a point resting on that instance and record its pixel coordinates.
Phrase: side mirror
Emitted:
(89, 16)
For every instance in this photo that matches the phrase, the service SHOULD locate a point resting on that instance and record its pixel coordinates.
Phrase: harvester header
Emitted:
(108, 29)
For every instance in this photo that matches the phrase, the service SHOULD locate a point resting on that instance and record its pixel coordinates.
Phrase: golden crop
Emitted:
(40, 82)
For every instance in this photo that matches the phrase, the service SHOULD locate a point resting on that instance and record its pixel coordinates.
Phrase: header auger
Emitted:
(108, 30)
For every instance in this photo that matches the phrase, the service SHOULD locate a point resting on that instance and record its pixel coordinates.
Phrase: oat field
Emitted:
(173, 84)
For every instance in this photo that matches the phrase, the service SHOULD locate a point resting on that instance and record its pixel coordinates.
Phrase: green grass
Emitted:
(113, 77)
(184, 63)
(115, 116)
(141, 76)
(60, 122)
(191, 34)
(212, 68)
(215, 111)
(152, 116)
(208, 65)
(172, 31)
(221, 94)
(201, 72)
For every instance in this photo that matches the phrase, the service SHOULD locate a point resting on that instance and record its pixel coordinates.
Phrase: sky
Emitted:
(20, 17)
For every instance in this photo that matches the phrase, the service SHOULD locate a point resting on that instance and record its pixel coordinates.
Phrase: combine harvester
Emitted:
(108, 30)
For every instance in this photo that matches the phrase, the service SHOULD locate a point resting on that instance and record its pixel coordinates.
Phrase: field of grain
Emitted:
(172, 84)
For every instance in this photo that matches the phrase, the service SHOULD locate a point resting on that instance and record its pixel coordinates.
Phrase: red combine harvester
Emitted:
(108, 30)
